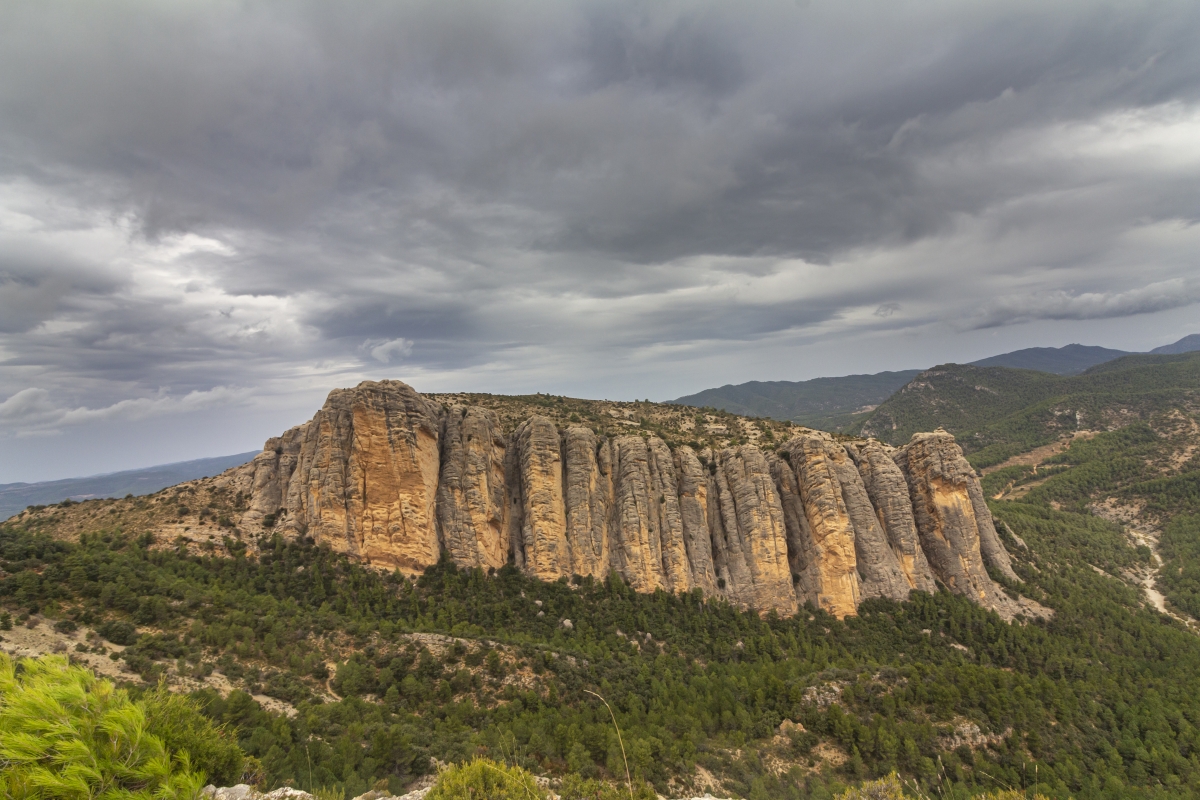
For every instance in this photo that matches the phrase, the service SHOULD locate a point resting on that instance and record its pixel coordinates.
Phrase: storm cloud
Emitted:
(219, 210)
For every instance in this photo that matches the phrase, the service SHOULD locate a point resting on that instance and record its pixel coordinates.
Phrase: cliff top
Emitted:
(674, 424)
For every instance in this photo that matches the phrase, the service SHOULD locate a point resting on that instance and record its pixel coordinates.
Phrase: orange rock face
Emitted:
(361, 476)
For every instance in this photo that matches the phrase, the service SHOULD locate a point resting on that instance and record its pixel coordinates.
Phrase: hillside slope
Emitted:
(1187, 344)
(16, 496)
(822, 403)
(997, 412)
(838, 404)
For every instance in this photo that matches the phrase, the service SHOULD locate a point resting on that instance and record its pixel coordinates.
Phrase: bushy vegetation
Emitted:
(892, 787)
(485, 779)
(1179, 577)
(1105, 695)
(66, 734)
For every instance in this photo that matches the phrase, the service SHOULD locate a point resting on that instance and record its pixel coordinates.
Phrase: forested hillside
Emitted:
(824, 403)
(1069, 360)
(996, 412)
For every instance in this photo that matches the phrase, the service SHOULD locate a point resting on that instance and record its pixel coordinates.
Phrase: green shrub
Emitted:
(68, 735)
(211, 749)
(887, 788)
(484, 778)
(118, 632)
(575, 787)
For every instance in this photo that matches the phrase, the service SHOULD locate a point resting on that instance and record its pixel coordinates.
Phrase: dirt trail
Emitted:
(1141, 532)
(1036, 456)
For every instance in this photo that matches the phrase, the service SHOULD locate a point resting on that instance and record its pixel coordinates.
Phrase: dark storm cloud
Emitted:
(265, 195)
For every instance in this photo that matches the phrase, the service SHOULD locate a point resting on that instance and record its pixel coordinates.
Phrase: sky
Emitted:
(213, 213)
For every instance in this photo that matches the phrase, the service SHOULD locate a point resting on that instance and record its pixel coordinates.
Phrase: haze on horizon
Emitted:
(212, 213)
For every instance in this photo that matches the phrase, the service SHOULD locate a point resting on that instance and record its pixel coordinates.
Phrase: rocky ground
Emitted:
(244, 792)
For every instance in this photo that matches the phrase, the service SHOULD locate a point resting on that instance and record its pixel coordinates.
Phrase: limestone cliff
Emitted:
(954, 525)
(694, 517)
(472, 498)
(826, 557)
(397, 479)
(589, 498)
(538, 512)
(362, 476)
(888, 490)
(750, 542)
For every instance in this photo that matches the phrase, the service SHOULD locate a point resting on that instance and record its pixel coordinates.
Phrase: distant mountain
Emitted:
(840, 404)
(15, 497)
(1070, 360)
(1188, 344)
(826, 403)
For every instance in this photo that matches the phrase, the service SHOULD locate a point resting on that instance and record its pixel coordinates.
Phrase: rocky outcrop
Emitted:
(636, 522)
(664, 499)
(391, 477)
(828, 562)
(472, 497)
(954, 525)
(538, 514)
(888, 491)
(750, 544)
(694, 482)
(361, 476)
(589, 498)
(879, 572)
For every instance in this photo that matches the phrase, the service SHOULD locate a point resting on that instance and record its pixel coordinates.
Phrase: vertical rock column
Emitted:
(636, 535)
(879, 572)
(803, 553)
(664, 494)
(939, 480)
(537, 511)
(754, 540)
(831, 572)
(888, 490)
(693, 513)
(272, 471)
(472, 502)
(588, 497)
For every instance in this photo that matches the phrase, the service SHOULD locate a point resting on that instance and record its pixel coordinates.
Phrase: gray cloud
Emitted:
(598, 197)
(1159, 296)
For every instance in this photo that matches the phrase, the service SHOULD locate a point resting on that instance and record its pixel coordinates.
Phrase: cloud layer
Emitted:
(603, 199)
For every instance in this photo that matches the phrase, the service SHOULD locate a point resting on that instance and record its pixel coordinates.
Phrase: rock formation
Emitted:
(389, 476)
(588, 496)
(361, 475)
(472, 507)
(536, 483)
(954, 524)
(888, 490)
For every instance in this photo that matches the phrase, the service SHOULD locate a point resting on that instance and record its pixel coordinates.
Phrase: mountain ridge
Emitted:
(839, 403)
(145, 480)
